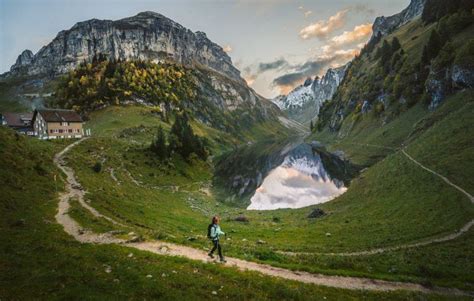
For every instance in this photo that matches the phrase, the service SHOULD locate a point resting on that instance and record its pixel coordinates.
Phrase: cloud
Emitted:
(363, 8)
(360, 32)
(252, 72)
(250, 78)
(355, 38)
(287, 82)
(277, 64)
(317, 66)
(227, 48)
(307, 13)
(323, 28)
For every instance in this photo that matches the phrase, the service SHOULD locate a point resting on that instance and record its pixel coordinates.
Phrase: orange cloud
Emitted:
(359, 33)
(323, 28)
(227, 48)
(285, 89)
(250, 79)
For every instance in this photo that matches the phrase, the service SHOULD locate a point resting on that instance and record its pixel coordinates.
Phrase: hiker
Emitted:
(213, 232)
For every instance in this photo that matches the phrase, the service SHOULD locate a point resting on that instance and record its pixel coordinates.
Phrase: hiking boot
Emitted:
(210, 255)
(223, 260)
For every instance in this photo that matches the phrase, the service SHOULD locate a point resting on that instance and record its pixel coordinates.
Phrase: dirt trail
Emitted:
(74, 190)
(471, 198)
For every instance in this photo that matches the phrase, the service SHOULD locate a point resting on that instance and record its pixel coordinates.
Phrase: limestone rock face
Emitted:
(462, 76)
(325, 88)
(24, 59)
(441, 83)
(385, 25)
(146, 36)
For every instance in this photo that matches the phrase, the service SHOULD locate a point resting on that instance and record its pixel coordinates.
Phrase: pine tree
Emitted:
(386, 51)
(385, 56)
(183, 141)
(434, 44)
(395, 45)
(159, 145)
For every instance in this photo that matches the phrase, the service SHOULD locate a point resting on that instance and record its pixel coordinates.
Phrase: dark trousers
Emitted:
(217, 246)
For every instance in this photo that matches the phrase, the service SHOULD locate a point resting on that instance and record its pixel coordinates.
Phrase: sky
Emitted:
(276, 44)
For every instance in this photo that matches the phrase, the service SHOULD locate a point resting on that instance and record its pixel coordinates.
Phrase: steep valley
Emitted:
(389, 164)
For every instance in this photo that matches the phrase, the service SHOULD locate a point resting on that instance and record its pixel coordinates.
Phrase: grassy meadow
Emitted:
(391, 203)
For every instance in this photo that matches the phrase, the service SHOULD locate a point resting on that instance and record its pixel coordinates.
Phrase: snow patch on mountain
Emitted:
(296, 98)
(303, 103)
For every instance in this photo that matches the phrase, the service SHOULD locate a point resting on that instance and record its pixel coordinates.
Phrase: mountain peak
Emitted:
(303, 103)
(23, 59)
(145, 36)
(150, 14)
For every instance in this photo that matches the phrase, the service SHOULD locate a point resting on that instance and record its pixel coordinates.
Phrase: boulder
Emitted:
(462, 77)
(241, 218)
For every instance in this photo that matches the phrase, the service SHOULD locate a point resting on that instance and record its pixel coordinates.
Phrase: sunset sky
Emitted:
(276, 44)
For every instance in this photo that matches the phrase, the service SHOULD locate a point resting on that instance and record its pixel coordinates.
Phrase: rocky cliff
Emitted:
(146, 36)
(303, 103)
(392, 76)
(385, 25)
(23, 60)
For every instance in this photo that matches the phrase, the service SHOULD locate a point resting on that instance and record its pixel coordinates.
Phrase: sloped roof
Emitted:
(56, 115)
(17, 119)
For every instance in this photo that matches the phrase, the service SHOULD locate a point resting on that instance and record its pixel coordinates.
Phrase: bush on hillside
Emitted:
(97, 167)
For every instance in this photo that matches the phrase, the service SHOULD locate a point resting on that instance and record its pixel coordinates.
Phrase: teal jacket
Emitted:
(216, 232)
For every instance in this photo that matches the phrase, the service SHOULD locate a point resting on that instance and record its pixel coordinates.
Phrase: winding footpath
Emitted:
(74, 191)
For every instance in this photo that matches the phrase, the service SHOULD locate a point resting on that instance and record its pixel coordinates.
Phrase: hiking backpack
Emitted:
(209, 231)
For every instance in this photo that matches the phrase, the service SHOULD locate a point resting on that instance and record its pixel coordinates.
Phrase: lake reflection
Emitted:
(299, 181)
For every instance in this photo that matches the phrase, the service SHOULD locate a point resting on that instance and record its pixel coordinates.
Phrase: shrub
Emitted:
(97, 167)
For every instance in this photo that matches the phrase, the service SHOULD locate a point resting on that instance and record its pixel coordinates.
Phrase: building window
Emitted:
(65, 123)
(61, 131)
(69, 131)
(56, 131)
(51, 131)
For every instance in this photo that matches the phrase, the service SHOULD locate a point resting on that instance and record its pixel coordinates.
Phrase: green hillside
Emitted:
(382, 208)
(408, 130)
(40, 261)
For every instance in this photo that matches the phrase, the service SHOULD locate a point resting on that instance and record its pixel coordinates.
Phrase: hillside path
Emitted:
(75, 191)
(466, 227)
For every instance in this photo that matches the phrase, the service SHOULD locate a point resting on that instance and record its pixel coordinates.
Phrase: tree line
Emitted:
(180, 140)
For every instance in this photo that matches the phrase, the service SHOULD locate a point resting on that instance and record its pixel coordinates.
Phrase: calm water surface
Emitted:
(299, 181)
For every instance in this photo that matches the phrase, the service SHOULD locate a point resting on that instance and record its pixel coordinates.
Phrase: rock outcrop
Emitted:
(24, 59)
(385, 25)
(325, 87)
(446, 81)
(146, 36)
